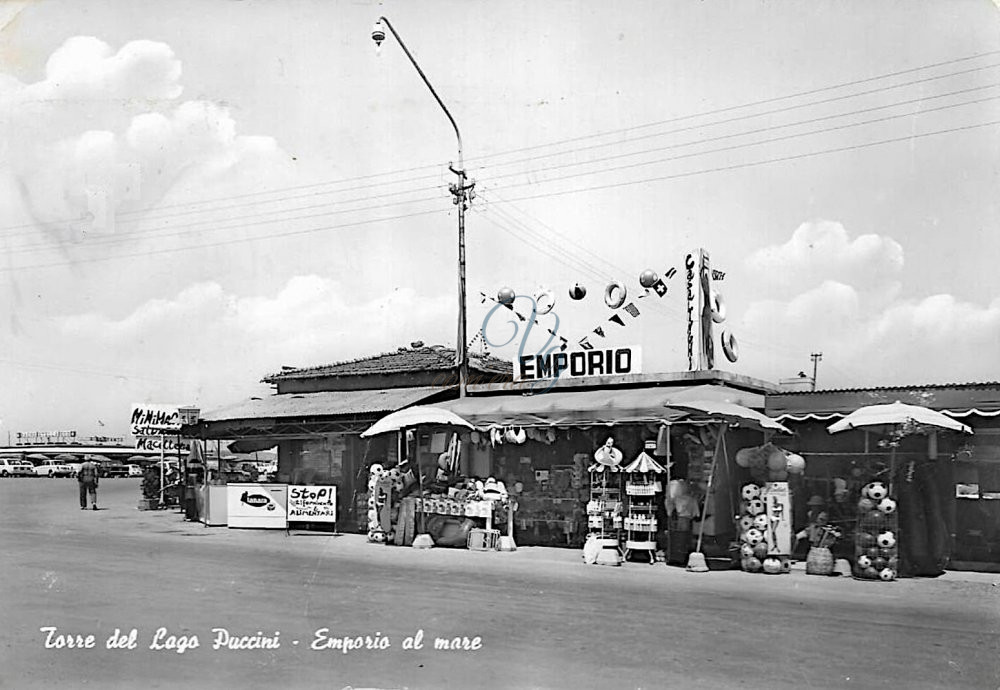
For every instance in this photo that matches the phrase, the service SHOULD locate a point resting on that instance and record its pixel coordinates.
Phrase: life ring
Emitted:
(718, 307)
(609, 294)
(544, 301)
(730, 347)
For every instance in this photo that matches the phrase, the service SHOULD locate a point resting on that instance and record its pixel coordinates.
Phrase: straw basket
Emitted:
(819, 561)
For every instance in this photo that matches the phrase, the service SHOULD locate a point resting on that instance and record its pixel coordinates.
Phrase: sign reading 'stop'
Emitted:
(556, 365)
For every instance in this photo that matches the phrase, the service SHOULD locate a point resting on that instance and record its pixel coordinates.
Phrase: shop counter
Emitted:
(260, 506)
(211, 501)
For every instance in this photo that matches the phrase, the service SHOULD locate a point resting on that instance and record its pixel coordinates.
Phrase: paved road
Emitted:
(544, 619)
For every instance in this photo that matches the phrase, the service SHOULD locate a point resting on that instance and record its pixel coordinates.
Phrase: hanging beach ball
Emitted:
(865, 504)
(877, 491)
(776, 460)
(772, 566)
(755, 507)
(864, 562)
(760, 522)
(750, 492)
(754, 536)
(506, 296)
(778, 475)
(648, 278)
(744, 456)
(887, 574)
(577, 292)
(795, 464)
(887, 540)
(876, 520)
(746, 522)
(887, 506)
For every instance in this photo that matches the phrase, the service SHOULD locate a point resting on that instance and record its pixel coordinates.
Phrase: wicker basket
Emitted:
(819, 561)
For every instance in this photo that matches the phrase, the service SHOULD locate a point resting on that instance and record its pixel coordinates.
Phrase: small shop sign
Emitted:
(312, 503)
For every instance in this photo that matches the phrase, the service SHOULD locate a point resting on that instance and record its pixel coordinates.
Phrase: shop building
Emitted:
(950, 482)
(316, 414)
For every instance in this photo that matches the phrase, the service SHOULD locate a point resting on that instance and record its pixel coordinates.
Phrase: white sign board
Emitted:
(778, 503)
(557, 365)
(312, 503)
(150, 419)
(257, 505)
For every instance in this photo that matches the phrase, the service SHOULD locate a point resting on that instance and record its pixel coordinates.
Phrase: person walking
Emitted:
(87, 479)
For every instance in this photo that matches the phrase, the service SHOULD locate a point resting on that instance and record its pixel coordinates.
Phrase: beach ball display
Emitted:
(760, 551)
(795, 464)
(746, 522)
(744, 456)
(755, 507)
(876, 520)
(746, 551)
(754, 536)
(648, 278)
(752, 565)
(506, 296)
(771, 565)
(876, 491)
(887, 574)
(887, 506)
(865, 539)
(778, 475)
(887, 540)
(760, 522)
(750, 492)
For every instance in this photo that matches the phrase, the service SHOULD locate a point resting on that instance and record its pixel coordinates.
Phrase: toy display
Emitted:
(642, 487)
(765, 532)
(604, 510)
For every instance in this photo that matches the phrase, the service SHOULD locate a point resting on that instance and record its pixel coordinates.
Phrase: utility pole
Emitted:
(816, 357)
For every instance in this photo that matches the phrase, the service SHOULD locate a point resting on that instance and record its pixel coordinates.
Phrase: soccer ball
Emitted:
(755, 507)
(887, 540)
(887, 506)
(746, 522)
(750, 492)
(746, 551)
(864, 562)
(772, 566)
(877, 491)
(754, 536)
(760, 522)
(887, 574)
(876, 520)
(879, 563)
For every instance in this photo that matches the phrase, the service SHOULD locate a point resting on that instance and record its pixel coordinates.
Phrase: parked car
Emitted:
(75, 466)
(52, 468)
(15, 467)
(135, 471)
(113, 470)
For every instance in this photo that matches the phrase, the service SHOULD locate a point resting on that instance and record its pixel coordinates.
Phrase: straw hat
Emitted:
(608, 455)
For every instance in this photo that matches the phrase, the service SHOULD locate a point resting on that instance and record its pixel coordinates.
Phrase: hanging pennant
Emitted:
(659, 287)
(599, 331)
(617, 319)
(632, 310)
(670, 274)
(586, 345)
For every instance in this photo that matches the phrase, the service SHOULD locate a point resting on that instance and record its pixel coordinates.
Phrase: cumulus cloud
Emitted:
(105, 131)
(869, 335)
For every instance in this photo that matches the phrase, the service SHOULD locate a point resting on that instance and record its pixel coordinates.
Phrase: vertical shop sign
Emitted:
(778, 504)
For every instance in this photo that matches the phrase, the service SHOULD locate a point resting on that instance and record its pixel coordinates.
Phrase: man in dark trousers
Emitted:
(87, 479)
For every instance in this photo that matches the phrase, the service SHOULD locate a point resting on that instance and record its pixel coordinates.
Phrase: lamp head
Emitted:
(378, 34)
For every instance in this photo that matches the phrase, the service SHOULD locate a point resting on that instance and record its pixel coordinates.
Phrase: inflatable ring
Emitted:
(730, 347)
(609, 292)
(718, 307)
(544, 301)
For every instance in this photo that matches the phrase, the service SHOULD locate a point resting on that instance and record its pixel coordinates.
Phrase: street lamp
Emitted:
(462, 193)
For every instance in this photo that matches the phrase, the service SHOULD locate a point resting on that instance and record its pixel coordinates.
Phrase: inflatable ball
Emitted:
(864, 562)
(887, 506)
(887, 574)
(887, 540)
(877, 491)
(754, 536)
(771, 566)
(755, 507)
(760, 522)
(759, 551)
(750, 491)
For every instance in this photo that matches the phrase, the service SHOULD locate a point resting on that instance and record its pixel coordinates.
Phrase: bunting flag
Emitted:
(660, 287)
(645, 293)
(586, 345)
(599, 331)
(617, 319)
(671, 273)
(523, 318)
(632, 310)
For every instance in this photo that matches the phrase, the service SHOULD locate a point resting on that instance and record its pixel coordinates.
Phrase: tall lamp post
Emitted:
(462, 192)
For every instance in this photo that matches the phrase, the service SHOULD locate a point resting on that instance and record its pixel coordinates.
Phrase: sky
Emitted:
(195, 194)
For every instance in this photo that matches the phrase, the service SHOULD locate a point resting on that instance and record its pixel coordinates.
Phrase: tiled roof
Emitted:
(406, 359)
(912, 387)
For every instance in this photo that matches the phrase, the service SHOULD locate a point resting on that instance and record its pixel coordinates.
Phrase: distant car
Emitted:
(135, 471)
(75, 466)
(15, 467)
(52, 468)
(113, 470)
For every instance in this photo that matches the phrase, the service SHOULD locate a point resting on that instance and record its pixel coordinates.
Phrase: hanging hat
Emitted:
(816, 501)
(608, 454)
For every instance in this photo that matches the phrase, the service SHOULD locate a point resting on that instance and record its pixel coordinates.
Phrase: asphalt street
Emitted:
(535, 618)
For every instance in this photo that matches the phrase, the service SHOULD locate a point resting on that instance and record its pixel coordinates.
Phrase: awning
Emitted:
(593, 407)
(325, 403)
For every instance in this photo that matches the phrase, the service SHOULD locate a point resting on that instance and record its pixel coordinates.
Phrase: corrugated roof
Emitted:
(326, 403)
(909, 387)
(411, 359)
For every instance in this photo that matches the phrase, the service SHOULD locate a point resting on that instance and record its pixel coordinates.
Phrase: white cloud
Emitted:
(869, 334)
